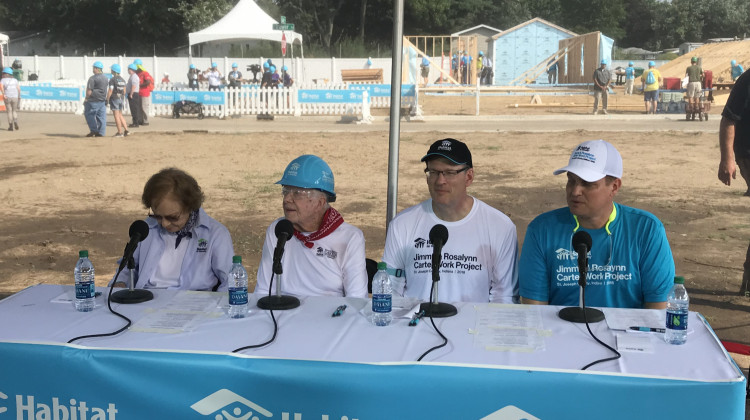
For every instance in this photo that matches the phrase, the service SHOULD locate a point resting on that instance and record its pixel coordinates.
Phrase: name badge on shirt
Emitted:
(202, 245)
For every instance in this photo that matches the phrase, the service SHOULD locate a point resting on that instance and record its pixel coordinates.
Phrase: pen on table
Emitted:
(415, 319)
(648, 329)
(339, 310)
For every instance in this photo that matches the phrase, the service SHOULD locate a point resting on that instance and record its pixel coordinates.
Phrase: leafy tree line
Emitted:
(138, 27)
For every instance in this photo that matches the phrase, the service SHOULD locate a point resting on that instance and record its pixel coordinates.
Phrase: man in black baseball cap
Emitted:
(479, 259)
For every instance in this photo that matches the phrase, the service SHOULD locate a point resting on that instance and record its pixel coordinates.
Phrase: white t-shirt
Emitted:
(214, 78)
(334, 266)
(10, 86)
(478, 259)
(170, 265)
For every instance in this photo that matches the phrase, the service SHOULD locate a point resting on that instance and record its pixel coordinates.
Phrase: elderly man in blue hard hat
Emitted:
(326, 256)
(94, 106)
(602, 79)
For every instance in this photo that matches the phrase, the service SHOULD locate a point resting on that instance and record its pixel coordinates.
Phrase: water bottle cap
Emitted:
(679, 280)
(382, 266)
(236, 259)
(83, 253)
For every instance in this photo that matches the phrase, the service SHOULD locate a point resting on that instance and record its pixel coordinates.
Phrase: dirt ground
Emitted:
(62, 192)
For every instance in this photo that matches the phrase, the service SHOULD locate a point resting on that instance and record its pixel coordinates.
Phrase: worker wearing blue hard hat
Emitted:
(94, 105)
(650, 82)
(116, 99)
(192, 76)
(286, 78)
(235, 77)
(214, 77)
(11, 90)
(325, 256)
(629, 78)
(602, 80)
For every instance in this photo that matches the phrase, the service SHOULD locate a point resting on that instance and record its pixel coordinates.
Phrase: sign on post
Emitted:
(283, 26)
(283, 44)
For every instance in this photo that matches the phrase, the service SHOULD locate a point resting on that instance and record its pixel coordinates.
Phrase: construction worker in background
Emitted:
(629, 78)
(737, 70)
(480, 64)
(694, 73)
(454, 67)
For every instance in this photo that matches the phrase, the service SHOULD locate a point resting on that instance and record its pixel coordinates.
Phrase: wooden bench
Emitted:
(362, 75)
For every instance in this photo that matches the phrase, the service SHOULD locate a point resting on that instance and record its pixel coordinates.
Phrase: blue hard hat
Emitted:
(734, 62)
(98, 65)
(138, 62)
(369, 62)
(213, 64)
(284, 68)
(266, 65)
(8, 70)
(652, 63)
(604, 61)
(630, 63)
(481, 52)
(115, 68)
(133, 67)
(234, 65)
(454, 55)
(272, 68)
(309, 171)
(192, 66)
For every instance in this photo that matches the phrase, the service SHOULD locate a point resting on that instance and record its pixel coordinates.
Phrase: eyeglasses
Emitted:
(297, 193)
(433, 174)
(171, 219)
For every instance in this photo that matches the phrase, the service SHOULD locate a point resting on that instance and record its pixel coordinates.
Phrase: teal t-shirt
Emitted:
(631, 266)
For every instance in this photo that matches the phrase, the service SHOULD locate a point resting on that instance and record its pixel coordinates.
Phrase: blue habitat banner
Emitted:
(329, 96)
(383, 90)
(57, 382)
(202, 96)
(51, 93)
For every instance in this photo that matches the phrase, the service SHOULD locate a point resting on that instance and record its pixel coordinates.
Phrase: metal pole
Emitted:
(396, 55)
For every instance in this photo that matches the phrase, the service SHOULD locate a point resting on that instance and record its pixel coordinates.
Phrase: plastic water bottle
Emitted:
(237, 289)
(85, 287)
(677, 313)
(382, 296)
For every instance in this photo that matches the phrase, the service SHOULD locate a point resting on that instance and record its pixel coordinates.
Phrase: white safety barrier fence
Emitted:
(317, 99)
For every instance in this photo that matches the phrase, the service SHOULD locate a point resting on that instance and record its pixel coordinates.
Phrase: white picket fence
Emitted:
(237, 101)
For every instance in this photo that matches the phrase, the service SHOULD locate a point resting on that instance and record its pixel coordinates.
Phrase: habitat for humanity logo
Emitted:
(3, 397)
(510, 412)
(224, 400)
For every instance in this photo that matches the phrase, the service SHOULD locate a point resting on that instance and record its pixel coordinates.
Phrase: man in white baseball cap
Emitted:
(630, 261)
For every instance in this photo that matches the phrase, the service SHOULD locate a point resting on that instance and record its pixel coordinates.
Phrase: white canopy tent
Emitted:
(245, 21)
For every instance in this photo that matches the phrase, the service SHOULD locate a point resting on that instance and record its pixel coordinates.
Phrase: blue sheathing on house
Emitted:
(520, 49)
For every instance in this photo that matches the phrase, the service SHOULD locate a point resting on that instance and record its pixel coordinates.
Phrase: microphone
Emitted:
(433, 308)
(582, 245)
(284, 231)
(438, 237)
(138, 232)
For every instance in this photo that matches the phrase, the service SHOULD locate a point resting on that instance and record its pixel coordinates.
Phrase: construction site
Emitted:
(524, 70)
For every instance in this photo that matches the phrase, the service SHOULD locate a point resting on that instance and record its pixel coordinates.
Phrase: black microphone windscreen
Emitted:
(439, 233)
(582, 238)
(140, 228)
(284, 228)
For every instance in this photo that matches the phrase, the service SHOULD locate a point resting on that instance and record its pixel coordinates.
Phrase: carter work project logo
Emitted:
(445, 145)
(219, 404)
(202, 245)
(420, 243)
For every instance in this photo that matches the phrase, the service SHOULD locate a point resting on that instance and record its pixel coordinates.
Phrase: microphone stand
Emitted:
(132, 295)
(433, 308)
(278, 301)
(580, 313)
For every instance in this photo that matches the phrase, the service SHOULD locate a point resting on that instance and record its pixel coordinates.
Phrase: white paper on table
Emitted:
(622, 319)
(166, 321)
(636, 343)
(193, 301)
(506, 327)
